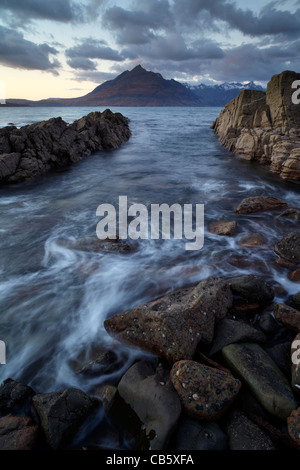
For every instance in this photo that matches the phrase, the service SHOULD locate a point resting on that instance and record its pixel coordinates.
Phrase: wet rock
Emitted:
(38, 148)
(288, 316)
(99, 361)
(193, 435)
(173, 325)
(268, 324)
(62, 414)
(295, 300)
(290, 213)
(254, 367)
(206, 393)
(227, 228)
(230, 331)
(252, 288)
(18, 433)
(286, 264)
(153, 398)
(15, 398)
(289, 247)
(293, 422)
(253, 239)
(295, 276)
(254, 204)
(295, 360)
(95, 245)
(245, 435)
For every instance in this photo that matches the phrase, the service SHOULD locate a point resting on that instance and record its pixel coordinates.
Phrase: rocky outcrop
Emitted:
(265, 127)
(173, 325)
(39, 148)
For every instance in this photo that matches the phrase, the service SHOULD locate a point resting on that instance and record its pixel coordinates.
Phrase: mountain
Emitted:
(139, 87)
(220, 95)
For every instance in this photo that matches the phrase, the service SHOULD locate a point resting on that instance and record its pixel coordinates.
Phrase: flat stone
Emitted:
(255, 368)
(224, 227)
(153, 398)
(255, 204)
(288, 316)
(173, 325)
(206, 393)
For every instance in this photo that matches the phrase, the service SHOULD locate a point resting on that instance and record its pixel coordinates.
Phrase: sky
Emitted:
(65, 48)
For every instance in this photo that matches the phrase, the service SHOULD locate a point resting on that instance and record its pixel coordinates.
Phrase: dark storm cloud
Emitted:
(269, 21)
(138, 26)
(15, 51)
(81, 63)
(93, 49)
(57, 10)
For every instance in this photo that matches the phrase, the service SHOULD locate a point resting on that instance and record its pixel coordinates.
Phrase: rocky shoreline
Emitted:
(219, 376)
(37, 149)
(265, 127)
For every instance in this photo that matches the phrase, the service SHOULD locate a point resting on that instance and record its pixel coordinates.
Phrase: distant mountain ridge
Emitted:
(220, 95)
(139, 87)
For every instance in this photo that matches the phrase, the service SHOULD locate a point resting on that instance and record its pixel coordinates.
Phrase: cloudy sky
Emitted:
(64, 48)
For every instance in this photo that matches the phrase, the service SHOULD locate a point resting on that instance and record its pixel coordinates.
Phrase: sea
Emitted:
(54, 299)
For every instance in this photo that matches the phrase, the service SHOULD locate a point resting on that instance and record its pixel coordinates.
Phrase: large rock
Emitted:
(252, 288)
(18, 433)
(38, 148)
(245, 435)
(288, 247)
(255, 368)
(206, 393)
(173, 325)
(260, 204)
(15, 398)
(265, 127)
(288, 316)
(153, 398)
(62, 414)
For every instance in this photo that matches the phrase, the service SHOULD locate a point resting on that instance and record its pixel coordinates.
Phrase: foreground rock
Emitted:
(18, 433)
(265, 127)
(15, 398)
(38, 148)
(255, 368)
(243, 434)
(173, 325)
(288, 316)
(252, 288)
(206, 393)
(254, 204)
(227, 228)
(153, 398)
(61, 414)
(288, 247)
